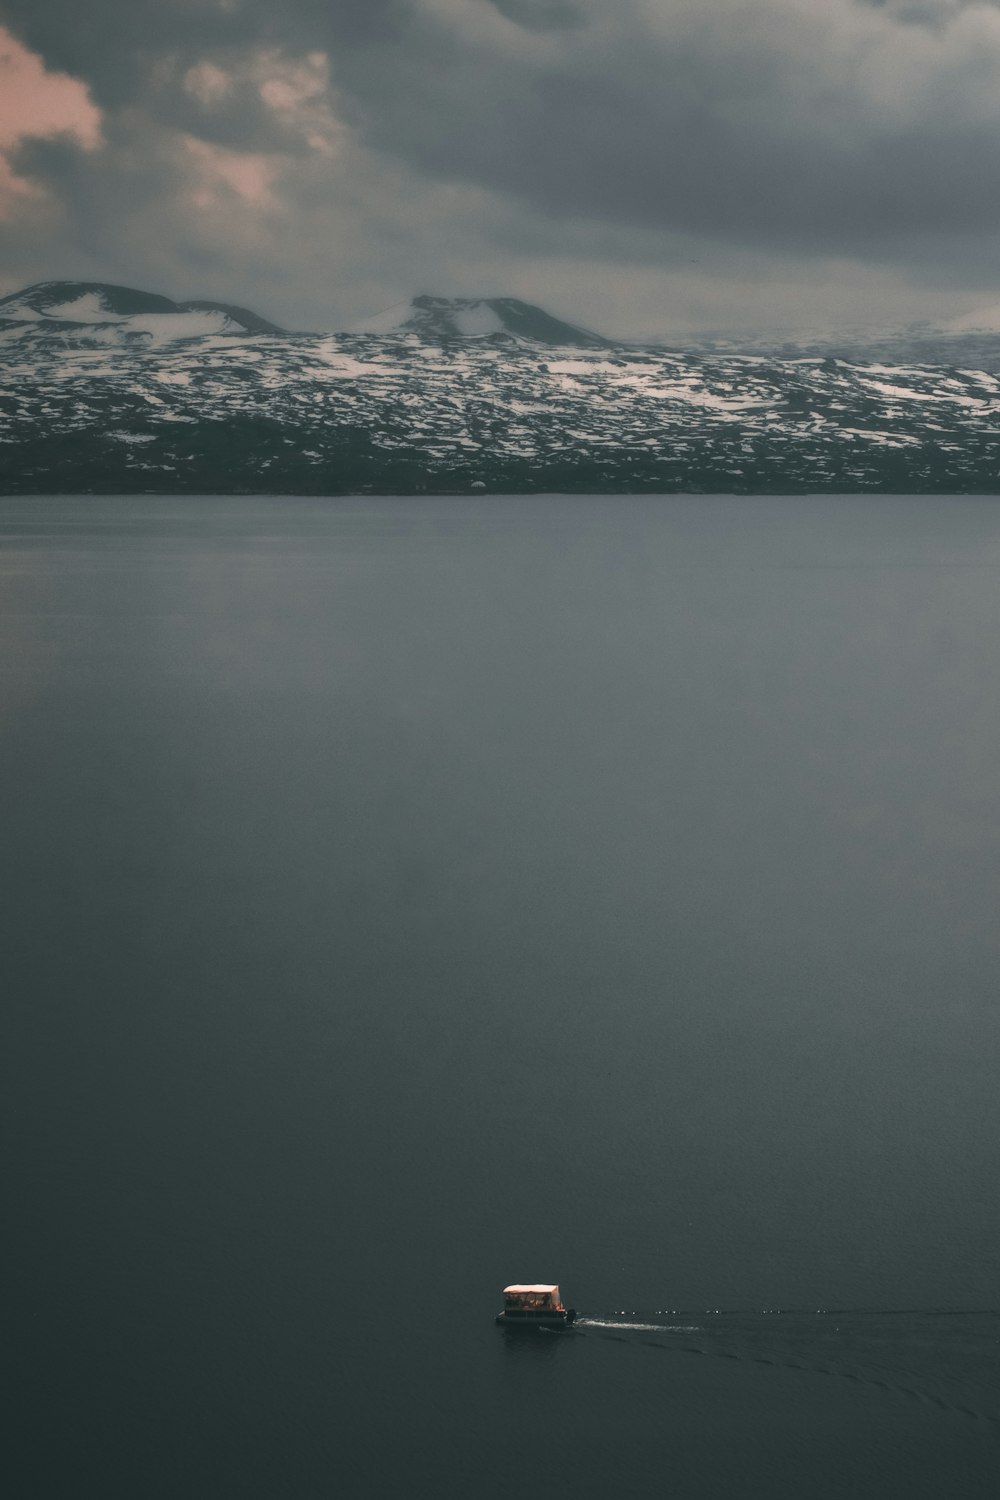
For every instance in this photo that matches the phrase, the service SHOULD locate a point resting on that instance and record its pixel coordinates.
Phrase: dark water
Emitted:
(405, 897)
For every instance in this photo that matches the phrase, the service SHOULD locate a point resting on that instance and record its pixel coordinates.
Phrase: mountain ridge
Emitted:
(100, 313)
(69, 309)
(440, 318)
(105, 389)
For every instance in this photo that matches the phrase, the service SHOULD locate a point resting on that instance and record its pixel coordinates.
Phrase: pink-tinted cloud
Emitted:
(35, 102)
(208, 83)
(221, 173)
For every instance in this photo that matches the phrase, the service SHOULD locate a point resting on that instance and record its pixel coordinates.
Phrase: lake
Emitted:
(403, 897)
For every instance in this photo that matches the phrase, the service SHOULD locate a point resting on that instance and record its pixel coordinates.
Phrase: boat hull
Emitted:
(544, 1318)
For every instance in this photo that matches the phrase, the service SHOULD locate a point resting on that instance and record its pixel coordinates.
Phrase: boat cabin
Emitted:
(538, 1303)
(532, 1299)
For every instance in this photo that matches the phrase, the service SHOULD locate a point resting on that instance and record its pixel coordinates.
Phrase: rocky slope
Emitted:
(226, 411)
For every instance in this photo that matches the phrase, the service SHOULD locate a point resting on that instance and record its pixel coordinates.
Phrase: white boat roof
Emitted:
(536, 1288)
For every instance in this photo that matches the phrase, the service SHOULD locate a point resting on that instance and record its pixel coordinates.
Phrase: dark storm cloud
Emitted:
(541, 15)
(801, 129)
(923, 12)
(811, 122)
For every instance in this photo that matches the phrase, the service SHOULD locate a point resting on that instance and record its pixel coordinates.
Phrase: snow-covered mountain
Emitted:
(97, 312)
(93, 400)
(445, 318)
(971, 341)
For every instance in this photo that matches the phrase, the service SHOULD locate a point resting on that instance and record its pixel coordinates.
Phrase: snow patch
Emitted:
(164, 328)
(88, 308)
(903, 393)
(477, 320)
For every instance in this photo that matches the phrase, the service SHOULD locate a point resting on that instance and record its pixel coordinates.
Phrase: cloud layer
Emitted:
(654, 162)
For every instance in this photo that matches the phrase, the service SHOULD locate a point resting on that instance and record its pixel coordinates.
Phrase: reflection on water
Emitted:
(533, 1343)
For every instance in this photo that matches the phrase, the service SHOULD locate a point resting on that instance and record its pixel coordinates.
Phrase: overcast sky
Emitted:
(642, 166)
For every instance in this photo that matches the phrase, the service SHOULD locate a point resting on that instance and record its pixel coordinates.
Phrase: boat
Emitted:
(535, 1306)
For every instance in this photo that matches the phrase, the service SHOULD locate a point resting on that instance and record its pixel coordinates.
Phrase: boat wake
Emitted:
(620, 1323)
(943, 1360)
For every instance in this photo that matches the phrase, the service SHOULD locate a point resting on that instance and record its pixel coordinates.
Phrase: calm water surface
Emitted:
(405, 897)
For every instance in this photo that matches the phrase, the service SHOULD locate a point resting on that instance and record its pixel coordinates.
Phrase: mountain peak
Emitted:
(108, 311)
(444, 318)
